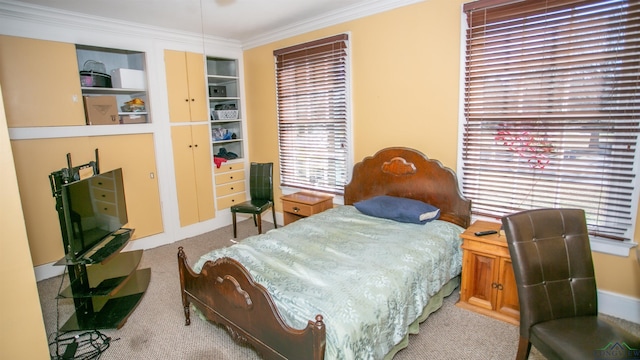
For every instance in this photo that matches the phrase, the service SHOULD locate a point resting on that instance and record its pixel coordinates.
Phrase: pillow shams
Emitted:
(398, 209)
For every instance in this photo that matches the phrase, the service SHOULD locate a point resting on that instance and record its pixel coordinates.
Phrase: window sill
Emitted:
(618, 248)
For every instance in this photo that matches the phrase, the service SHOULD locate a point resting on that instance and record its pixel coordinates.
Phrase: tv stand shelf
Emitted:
(105, 279)
(103, 251)
(105, 293)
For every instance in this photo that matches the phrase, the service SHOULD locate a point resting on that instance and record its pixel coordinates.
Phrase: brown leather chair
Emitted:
(553, 268)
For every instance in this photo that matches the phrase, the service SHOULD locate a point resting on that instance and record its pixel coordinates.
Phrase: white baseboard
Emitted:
(618, 305)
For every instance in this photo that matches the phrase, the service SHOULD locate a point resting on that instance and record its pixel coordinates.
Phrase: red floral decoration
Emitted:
(536, 150)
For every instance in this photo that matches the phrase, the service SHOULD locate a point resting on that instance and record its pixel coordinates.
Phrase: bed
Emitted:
(340, 284)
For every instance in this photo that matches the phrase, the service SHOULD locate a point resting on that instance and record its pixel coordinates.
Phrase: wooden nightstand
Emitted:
(488, 285)
(302, 204)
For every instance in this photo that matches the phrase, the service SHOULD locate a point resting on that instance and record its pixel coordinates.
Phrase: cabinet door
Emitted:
(479, 276)
(185, 86)
(193, 173)
(197, 88)
(41, 83)
(507, 298)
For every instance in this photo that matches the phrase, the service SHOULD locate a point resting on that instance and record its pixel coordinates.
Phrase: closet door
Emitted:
(193, 172)
(186, 88)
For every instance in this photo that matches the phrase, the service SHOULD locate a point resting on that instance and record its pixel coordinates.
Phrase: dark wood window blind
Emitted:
(552, 109)
(311, 82)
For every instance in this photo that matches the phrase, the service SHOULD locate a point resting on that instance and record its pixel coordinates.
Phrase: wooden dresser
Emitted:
(302, 204)
(488, 285)
(230, 185)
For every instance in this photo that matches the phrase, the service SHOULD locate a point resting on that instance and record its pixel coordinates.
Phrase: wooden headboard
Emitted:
(404, 172)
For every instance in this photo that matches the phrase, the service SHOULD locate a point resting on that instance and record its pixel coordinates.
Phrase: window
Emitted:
(312, 98)
(552, 109)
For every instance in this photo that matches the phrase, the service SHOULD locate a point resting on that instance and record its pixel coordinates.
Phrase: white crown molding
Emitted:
(24, 12)
(30, 13)
(356, 11)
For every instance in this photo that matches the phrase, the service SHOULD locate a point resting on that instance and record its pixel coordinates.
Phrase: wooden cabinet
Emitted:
(302, 204)
(192, 161)
(230, 185)
(29, 70)
(28, 67)
(186, 87)
(488, 283)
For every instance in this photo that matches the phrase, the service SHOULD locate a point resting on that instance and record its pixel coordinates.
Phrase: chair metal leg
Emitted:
(273, 211)
(233, 217)
(259, 224)
(524, 347)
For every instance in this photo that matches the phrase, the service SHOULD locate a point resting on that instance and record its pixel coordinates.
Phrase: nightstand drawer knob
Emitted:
(296, 209)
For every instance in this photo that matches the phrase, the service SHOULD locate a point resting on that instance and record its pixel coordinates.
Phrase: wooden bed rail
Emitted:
(246, 310)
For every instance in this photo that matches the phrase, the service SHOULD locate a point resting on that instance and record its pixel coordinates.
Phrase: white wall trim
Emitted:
(618, 305)
(356, 11)
(48, 16)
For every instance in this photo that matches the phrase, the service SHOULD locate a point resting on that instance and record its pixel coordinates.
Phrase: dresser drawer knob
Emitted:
(296, 209)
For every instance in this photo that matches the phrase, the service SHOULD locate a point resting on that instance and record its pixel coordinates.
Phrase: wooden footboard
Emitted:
(226, 294)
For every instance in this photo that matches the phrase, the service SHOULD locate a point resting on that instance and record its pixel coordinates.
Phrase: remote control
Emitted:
(483, 233)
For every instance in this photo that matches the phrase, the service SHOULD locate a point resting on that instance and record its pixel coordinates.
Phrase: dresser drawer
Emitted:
(228, 201)
(297, 208)
(229, 167)
(231, 188)
(229, 177)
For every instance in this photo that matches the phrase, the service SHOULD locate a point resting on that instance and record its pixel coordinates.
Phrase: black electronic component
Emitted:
(483, 233)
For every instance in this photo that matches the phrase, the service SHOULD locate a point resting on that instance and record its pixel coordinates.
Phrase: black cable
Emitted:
(86, 345)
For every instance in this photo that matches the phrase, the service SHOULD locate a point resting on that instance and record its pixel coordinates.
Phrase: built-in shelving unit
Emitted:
(226, 115)
(126, 72)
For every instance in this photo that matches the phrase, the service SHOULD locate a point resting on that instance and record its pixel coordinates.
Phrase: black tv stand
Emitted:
(104, 282)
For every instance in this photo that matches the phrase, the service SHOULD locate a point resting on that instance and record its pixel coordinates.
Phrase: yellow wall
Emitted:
(36, 159)
(405, 86)
(22, 332)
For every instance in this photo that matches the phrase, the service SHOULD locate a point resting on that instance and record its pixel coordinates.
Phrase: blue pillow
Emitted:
(398, 209)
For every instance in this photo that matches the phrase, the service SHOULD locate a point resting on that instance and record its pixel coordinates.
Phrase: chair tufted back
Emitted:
(552, 263)
(261, 181)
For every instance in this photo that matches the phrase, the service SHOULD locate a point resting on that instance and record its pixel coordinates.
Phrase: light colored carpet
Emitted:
(156, 330)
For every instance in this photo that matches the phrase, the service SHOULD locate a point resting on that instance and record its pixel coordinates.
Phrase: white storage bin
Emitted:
(128, 79)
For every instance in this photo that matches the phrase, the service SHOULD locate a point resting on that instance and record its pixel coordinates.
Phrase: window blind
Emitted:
(311, 81)
(552, 109)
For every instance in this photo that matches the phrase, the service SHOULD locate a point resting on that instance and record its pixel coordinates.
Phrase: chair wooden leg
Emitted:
(254, 220)
(273, 211)
(259, 224)
(524, 347)
(233, 218)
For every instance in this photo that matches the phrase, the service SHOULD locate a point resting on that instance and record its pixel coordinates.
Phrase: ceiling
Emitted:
(240, 20)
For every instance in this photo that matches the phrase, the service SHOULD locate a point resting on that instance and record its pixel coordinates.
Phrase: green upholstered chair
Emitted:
(261, 191)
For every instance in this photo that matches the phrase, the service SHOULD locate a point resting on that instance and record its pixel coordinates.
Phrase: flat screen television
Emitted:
(94, 208)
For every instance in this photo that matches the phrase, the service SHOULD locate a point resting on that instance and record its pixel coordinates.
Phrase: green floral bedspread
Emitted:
(369, 278)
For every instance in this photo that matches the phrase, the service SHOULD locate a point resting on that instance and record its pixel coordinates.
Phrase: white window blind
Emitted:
(552, 109)
(311, 82)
